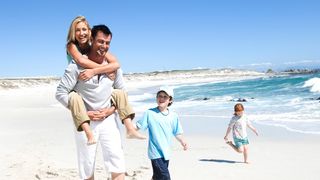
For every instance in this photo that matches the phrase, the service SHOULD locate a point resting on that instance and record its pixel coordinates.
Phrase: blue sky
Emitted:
(164, 35)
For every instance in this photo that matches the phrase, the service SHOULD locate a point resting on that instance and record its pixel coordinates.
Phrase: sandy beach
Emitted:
(37, 142)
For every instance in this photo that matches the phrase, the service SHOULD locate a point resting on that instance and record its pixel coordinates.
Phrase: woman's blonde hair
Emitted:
(72, 30)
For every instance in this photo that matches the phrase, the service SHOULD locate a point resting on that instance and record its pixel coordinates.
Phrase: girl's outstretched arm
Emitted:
(227, 134)
(253, 129)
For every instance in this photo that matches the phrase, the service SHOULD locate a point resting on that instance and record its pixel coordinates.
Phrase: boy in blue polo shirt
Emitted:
(163, 124)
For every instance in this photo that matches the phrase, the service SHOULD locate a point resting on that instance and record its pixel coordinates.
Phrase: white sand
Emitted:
(37, 142)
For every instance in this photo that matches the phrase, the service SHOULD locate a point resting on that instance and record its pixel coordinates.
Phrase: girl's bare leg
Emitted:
(245, 153)
(239, 150)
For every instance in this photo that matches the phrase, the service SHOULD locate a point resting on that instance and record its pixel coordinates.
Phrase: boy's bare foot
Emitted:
(247, 162)
(229, 142)
(134, 134)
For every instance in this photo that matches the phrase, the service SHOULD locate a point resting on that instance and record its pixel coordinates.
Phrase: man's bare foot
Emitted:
(247, 162)
(134, 134)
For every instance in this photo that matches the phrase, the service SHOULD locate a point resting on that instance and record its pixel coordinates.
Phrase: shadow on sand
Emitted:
(219, 161)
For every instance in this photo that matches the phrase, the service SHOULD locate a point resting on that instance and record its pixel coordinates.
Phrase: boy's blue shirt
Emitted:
(162, 128)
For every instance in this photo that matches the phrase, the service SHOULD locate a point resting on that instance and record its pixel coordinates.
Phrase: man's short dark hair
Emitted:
(103, 28)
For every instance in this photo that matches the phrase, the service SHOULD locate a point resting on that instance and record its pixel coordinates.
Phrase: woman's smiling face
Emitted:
(82, 33)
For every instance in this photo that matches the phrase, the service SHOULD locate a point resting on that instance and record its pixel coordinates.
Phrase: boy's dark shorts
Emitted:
(160, 169)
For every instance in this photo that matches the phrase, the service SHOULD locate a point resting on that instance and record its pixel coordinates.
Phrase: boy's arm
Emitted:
(182, 141)
(142, 123)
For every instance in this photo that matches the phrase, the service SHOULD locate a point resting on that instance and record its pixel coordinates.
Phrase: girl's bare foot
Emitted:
(229, 142)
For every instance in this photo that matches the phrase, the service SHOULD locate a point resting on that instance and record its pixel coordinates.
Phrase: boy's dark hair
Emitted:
(103, 28)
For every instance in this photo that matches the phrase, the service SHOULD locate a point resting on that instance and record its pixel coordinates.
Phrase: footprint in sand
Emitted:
(144, 167)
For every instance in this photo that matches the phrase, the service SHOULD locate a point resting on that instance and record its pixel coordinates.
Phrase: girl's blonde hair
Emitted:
(238, 107)
(72, 30)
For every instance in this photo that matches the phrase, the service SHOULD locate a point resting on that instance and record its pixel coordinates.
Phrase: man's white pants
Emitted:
(107, 133)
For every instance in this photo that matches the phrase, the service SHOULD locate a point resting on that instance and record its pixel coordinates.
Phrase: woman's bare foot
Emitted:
(134, 134)
(91, 142)
(91, 139)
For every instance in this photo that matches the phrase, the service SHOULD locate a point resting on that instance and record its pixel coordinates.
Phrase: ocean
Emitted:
(291, 102)
(287, 101)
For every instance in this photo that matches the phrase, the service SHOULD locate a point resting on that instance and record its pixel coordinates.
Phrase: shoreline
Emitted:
(145, 80)
(157, 78)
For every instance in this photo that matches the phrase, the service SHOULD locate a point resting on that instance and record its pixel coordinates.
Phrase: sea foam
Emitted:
(314, 84)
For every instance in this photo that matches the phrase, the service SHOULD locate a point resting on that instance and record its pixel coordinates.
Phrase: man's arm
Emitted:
(101, 114)
(67, 83)
(119, 80)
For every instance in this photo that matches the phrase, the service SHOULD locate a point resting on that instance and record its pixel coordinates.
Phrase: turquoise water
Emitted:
(262, 88)
(275, 101)
(280, 101)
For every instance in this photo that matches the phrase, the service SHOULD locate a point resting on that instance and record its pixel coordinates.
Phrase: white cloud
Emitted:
(301, 62)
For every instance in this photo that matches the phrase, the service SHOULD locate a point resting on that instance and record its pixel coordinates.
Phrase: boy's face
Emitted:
(163, 99)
